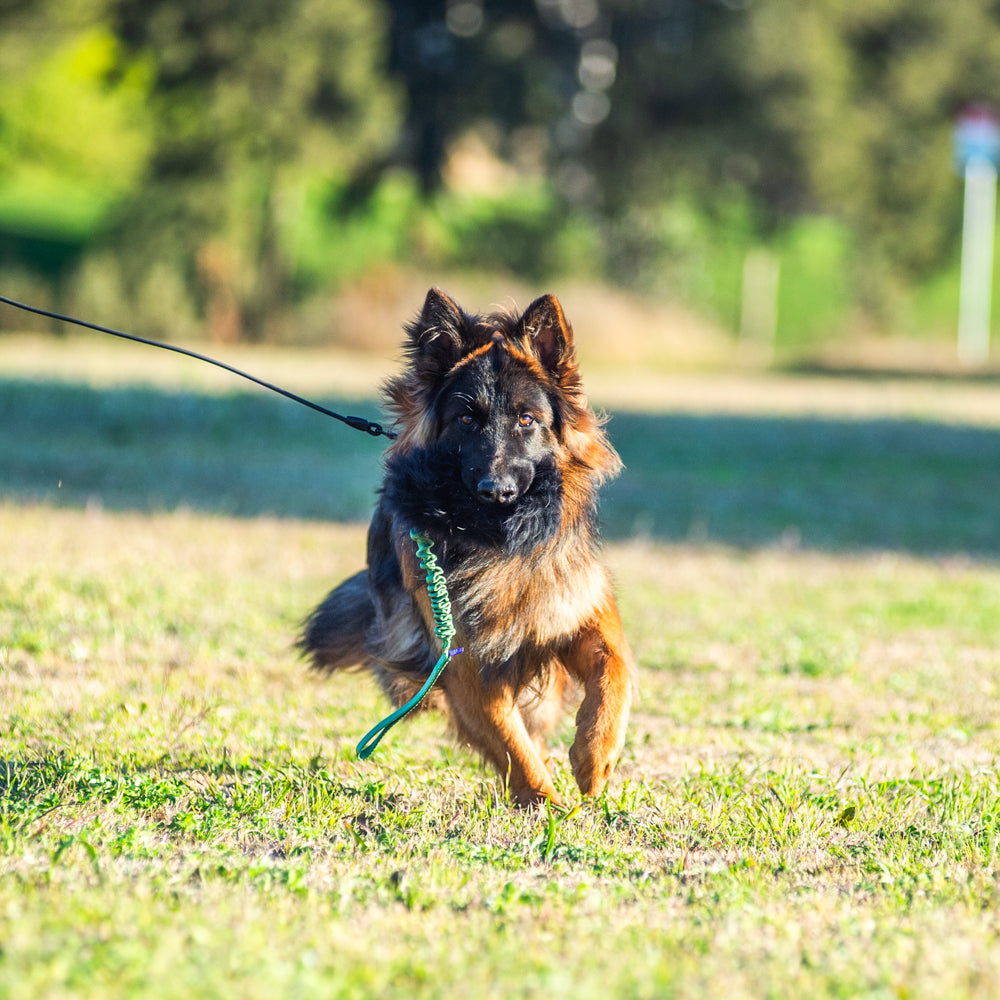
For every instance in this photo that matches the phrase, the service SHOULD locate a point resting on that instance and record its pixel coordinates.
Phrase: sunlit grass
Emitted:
(808, 804)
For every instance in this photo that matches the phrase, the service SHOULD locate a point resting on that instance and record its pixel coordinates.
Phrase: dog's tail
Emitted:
(333, 636)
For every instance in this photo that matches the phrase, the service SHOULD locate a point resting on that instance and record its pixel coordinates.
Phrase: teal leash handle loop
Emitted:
(444, 629)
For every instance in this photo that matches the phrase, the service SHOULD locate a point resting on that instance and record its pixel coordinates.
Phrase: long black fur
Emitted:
(426, 489)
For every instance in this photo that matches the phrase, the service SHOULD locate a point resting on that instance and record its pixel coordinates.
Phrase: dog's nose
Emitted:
(496, 489)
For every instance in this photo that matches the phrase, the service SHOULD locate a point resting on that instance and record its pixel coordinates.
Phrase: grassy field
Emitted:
(809, 801)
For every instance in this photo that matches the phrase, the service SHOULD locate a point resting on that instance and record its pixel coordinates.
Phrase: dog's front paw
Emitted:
(590, 769)
(526, 795)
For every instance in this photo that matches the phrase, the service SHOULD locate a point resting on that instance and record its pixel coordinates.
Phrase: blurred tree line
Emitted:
(231, 161)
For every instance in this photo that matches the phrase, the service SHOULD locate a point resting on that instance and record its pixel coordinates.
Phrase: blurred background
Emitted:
(766, 179)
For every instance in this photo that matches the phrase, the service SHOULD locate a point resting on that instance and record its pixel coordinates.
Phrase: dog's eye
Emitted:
(466, 420)
(525, 420)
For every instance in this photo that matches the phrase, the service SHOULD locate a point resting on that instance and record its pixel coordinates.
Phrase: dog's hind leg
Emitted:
(333, 636)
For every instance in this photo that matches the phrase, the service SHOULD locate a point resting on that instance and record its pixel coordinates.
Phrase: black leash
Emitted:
(358, 423)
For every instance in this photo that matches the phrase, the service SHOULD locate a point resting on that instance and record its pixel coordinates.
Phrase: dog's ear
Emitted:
(550, 336)
(436, 336)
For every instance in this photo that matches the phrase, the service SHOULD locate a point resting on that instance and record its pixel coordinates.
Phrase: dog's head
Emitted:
(501, 392)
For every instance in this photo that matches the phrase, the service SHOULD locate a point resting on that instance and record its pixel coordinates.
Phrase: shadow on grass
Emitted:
(906, 485)
(913, 486)
(145, 449)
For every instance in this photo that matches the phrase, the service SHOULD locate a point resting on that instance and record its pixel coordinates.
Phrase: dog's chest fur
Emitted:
(526, 603)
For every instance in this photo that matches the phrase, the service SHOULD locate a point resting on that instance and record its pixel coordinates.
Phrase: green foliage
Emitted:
(66, 123)
(330, 243)
(224, 165)
(688, 249)
(250, 101)
(814, 297)
(74, 140)
(868, 96)
(522, 231)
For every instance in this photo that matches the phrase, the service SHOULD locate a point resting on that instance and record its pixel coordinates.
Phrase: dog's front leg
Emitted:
(599, 657)
(486, 717)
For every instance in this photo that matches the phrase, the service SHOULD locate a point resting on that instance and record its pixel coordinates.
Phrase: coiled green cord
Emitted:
(437, 589)
(444, 629)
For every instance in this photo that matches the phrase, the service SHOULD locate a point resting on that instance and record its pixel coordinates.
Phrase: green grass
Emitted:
(808, 803)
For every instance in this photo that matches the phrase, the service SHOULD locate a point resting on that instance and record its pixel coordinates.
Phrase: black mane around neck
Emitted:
(425, 488)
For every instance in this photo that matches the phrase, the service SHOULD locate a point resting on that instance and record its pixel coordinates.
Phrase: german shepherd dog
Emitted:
(497, 460)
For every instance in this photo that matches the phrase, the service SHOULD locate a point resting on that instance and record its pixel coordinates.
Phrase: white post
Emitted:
(978, 223)
(759, 313)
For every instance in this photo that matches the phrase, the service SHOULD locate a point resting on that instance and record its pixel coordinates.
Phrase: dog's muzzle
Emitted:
(497, 489)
